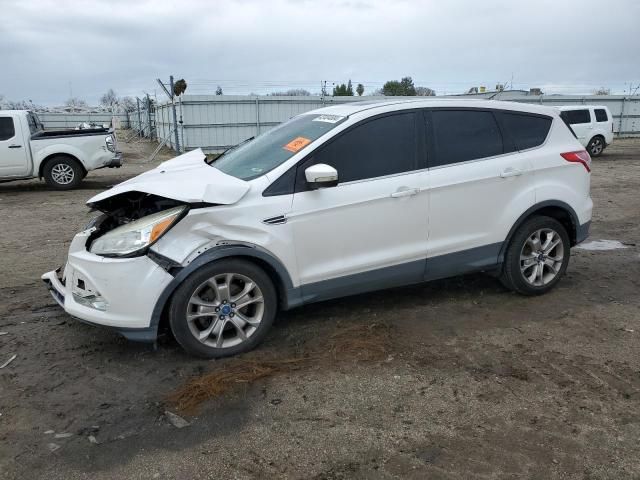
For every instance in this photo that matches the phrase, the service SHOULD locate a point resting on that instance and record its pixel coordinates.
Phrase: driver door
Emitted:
(14, 160)
(369, 231)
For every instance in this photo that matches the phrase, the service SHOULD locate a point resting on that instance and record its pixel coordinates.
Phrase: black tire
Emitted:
(514, 278)
(63, 173)
(181, 303)
(596, 146)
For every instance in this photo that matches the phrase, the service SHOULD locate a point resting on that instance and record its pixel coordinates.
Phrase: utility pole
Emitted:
(149, 116)
(171, 96)
(175, 116)
(323, 90)
(140, 132)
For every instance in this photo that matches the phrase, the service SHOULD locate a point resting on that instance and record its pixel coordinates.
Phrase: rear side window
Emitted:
(33, 126)
(574, 117)
(527, 131)
(7, 129)
(601, 115)
(461, 135)
(382, 146)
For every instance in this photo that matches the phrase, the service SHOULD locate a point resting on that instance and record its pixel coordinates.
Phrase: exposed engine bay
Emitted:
(127, 207)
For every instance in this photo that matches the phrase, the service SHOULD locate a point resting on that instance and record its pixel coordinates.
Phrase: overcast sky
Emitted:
(52, 49)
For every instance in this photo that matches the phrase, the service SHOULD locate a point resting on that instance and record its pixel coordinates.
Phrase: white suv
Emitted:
(334, 202)
(591, 124)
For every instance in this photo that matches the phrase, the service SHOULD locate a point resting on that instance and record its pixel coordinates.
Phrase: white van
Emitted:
(592, 125)
(342, 200)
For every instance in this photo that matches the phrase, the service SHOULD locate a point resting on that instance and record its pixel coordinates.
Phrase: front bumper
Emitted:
(128, 289)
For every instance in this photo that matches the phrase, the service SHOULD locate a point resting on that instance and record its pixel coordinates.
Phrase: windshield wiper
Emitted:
(231, 148)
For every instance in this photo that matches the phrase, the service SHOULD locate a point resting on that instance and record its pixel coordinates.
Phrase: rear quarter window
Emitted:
(7, 130)
(526, 131)
(575, 117)
(601, 115)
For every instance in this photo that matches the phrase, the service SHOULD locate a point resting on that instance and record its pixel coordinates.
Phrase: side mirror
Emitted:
(321, 176)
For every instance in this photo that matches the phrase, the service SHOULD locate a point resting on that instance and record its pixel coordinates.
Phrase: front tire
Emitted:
(537, 256)
(63, 173)
(223, 309)
(596, 146)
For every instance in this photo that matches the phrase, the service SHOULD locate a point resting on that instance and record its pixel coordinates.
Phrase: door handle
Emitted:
(511, 172)
(15, 146)
(405, 192)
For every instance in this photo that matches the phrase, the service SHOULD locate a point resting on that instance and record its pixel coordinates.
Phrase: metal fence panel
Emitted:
(624, 109)
(54, 121)
(217, 122)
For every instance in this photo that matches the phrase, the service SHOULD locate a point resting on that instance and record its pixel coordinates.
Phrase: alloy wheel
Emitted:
(596, 146)
(541, 257)
(62, 173)
(225, 310)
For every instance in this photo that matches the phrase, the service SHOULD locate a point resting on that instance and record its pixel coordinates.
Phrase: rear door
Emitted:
(477, 181)
(369, 231)
(14, 149)
(604, 124)
(581, 123)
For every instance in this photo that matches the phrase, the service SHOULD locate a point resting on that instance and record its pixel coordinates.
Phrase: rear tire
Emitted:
(537, 256)
(222, 309)
(596, 146)
(63, 173)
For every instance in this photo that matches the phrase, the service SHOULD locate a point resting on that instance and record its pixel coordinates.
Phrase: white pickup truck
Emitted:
(61, 157)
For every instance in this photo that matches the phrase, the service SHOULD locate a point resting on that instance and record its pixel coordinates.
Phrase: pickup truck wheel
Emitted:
(63, 173)
(223, 308)
(537, 256)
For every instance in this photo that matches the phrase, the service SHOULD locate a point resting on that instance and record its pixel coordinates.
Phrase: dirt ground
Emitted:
(475, 382)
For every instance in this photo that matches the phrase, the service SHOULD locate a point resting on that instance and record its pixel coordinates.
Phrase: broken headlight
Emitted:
(137, 235)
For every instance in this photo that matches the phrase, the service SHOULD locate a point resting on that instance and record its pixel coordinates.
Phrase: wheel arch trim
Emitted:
(289, 296)
(46, 159)
(573, 216)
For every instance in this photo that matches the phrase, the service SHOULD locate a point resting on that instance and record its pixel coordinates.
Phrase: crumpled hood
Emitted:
(186, 178)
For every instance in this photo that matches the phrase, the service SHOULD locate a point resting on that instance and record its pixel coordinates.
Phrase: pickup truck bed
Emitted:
(62, 157)
(68, 133)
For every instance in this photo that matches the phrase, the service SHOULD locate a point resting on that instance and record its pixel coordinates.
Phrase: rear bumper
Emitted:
(582, 232)
(116, 161)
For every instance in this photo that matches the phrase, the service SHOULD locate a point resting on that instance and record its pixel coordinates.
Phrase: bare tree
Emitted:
(602, 91)
(219, 90)
(360, 89)
(109, 100)
(292, 92)
(128, 104)
(425, 92)
(75, 103)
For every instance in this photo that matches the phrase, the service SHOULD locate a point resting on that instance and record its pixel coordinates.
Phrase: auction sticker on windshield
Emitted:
(328, 118)
(297, 144)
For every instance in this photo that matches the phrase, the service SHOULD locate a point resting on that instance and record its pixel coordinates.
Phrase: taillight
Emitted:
(581, 156)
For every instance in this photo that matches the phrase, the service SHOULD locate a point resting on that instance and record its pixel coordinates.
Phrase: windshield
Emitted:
(274, 147)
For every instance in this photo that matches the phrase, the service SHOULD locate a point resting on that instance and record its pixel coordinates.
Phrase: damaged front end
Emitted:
(112, 277)
(131, 222)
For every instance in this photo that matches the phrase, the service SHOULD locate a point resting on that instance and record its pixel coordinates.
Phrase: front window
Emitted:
(276, 146)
